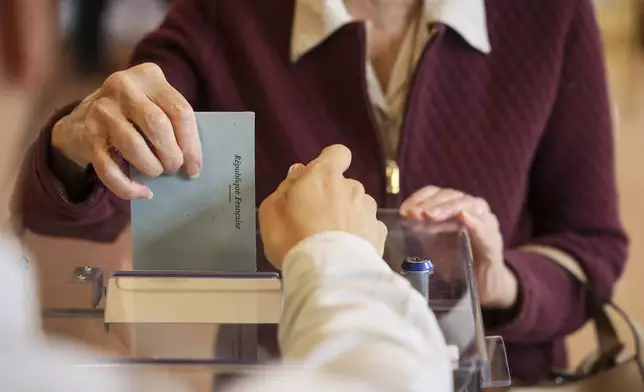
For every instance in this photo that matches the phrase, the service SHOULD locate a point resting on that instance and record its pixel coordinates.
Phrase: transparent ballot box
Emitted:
(209, 327)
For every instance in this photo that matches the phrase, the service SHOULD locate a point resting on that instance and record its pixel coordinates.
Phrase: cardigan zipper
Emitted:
(392, 169)
(372, 117)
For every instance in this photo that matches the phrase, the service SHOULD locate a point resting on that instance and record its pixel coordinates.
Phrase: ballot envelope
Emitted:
(207, 223)
(207, 327)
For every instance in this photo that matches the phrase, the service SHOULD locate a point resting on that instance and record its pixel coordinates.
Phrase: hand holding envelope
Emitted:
(317, 198)
(138, 114)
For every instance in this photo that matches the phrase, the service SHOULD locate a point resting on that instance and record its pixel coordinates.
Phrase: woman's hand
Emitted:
(497, 284)
(139, 114)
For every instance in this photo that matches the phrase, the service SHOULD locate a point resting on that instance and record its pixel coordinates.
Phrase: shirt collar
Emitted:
(315, 21)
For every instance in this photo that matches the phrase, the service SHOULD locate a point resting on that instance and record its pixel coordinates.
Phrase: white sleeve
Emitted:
(31, 361)
(348, 314)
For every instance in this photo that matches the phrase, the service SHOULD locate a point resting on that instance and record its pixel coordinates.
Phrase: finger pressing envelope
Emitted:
(125, 138)
(154, 124)
(184, 123)
(134, 148)
(110, 174)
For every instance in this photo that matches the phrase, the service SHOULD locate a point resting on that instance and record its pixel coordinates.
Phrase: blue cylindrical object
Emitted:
(417, 271)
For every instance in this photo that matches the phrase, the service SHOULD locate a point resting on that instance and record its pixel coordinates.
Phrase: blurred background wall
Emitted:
(622, 23)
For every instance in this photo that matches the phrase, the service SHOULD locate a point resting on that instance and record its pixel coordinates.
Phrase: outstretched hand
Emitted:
(317, 198)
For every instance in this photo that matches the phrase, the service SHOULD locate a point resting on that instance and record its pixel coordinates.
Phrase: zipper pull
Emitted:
(393, 177)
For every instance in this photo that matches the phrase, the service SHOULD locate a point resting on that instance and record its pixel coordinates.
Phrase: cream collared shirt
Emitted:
(316, 20)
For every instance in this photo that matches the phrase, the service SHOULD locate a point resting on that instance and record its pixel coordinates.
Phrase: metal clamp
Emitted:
(93, 276)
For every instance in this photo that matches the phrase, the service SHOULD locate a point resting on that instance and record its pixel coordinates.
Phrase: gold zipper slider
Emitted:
(393, 177)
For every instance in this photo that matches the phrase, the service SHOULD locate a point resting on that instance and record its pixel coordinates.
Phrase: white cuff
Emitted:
(333, 253)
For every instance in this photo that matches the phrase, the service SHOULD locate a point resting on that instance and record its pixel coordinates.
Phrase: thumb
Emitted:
(295, 171)
(334, 159)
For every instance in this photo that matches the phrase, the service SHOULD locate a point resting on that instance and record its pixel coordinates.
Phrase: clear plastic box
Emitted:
(208, 326)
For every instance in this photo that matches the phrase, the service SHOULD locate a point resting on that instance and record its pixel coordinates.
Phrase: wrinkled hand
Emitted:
(318, 198)
(497, 284)
(107, 121)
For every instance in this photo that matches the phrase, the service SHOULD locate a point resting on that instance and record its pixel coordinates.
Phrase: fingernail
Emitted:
(193, 170)
(145, 191)
(295, 169)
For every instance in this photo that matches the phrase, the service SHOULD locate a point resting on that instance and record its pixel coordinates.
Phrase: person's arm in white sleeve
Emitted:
(347, 313)
(349, 322)
(32, 361)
